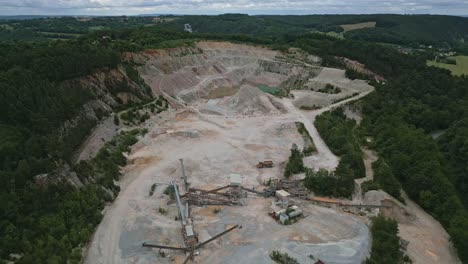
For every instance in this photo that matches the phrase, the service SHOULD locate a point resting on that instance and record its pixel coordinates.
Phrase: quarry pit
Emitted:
(224, 119)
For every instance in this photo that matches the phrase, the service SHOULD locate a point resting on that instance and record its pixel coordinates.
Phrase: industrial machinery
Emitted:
(191, 241)
(265, 164)
(190, 237)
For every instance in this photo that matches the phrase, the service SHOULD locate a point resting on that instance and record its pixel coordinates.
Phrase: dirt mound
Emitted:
(312, 99)
(250, 100)
(396, 212)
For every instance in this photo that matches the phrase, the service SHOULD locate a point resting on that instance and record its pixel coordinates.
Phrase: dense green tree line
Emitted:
(383, 179)
(65, 27)
(417, 162)
(454, 145)
(38, 93)
(49, 222)
(341, 135)
(385, 242)
(445, 31)
(417, 102)
(339, 183)
(295, 163)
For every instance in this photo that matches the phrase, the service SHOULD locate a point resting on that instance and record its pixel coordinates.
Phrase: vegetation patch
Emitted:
(385, 243)
(295, 163)
(153, 187)
(385, 178)
(309, 146)
(353, 75)
(105, 167)
(162, 211)
(169, 191)
(336, 184)
(282, 258)
(309, 108)
(276, 91)
(342, 136)
(457, 65)
(140, 113)
(350, 27)
(402, 139)
(59, 219)
(330, 89)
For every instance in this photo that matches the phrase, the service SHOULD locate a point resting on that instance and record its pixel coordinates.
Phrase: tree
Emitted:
(295, 163)
(116, 120)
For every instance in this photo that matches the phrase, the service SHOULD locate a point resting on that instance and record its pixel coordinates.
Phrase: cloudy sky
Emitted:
(134, 7)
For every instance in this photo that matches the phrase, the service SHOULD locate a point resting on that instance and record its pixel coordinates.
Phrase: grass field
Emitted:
(350, 27)
(459, 69)
(272, 90)
(59, 33)
(268, 89)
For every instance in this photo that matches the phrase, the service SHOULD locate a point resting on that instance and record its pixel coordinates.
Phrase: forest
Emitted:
(419, 100)
(385, 243)
(341, 136)
(50, 223)
(446, 32)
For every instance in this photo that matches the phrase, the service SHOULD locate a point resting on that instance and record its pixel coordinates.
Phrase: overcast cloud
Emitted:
(134, 7)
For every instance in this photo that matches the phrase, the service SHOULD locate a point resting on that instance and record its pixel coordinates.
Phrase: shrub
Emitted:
(162, 211)
(282, 258)
(169, 191)
(295, 163)
(385, 242)
(153, 187)
(116, 120)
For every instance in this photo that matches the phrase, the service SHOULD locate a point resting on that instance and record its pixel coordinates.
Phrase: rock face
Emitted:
(212, 70)
(107, 90)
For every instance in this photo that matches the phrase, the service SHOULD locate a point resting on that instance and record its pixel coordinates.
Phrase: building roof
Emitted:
(282, 193)
(235, 179)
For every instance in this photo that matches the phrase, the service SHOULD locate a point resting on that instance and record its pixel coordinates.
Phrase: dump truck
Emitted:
(265, 164)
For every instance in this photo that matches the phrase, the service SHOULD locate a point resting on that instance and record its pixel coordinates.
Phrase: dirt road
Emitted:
(324, 158)
(369, 157)
(429, 243)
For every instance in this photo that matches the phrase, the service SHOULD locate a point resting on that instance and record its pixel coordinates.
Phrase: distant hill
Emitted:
(437, 30)
(26, 17)
(409, 30)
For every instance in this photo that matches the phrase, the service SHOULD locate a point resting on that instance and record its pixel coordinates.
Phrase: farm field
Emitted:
(459, 69)
(350, 27)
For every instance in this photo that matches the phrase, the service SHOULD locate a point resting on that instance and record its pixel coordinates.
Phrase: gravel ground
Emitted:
(213, 147)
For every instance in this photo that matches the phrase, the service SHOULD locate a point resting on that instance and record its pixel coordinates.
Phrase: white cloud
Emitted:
(131, 7)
